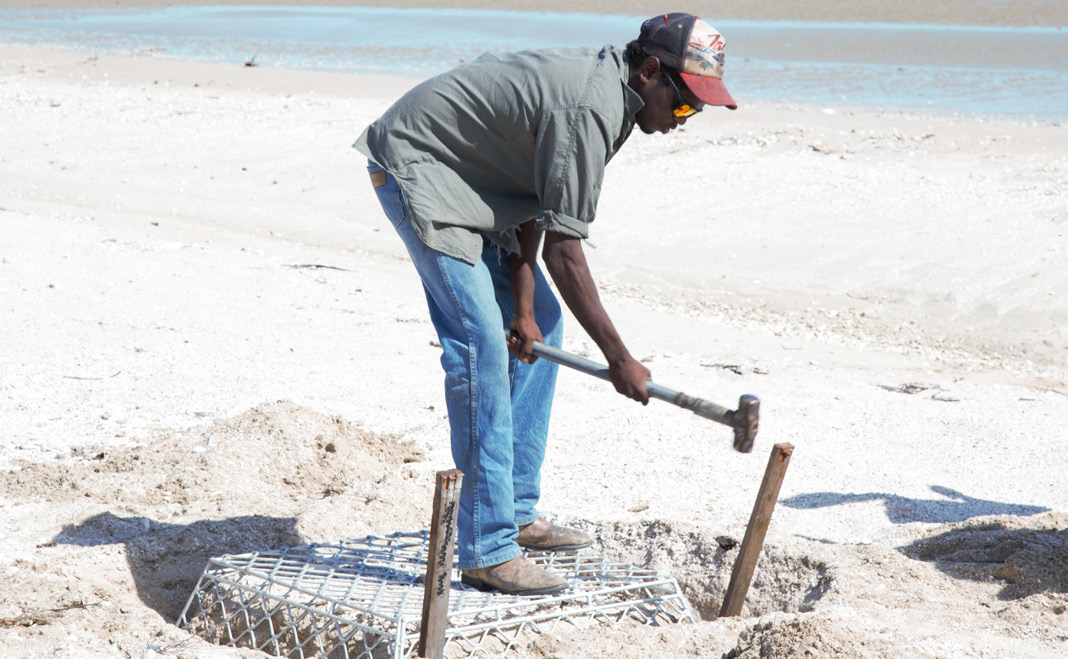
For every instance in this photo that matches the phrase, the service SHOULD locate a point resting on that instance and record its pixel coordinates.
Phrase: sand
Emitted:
(213, 343)
(1049, 13)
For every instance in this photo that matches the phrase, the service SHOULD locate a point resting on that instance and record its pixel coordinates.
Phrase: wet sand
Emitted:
(1050, 13)
(1018, 72)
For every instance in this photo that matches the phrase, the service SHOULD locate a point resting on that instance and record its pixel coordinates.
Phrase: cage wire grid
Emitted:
(363, 599)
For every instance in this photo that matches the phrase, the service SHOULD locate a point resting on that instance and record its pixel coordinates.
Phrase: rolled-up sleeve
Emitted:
(571, 150)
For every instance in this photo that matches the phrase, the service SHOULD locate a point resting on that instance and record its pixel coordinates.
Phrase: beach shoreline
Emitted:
(201, 295)
(1045, 13)
(1001, 72)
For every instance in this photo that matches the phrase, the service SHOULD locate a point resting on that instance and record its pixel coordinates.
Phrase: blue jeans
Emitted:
(498, 406)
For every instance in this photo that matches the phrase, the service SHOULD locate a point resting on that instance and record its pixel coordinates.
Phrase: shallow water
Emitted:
(988, 70)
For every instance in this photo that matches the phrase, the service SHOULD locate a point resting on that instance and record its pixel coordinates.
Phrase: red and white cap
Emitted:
(694, 48)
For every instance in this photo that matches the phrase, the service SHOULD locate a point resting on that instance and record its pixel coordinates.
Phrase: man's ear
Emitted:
(649, 68)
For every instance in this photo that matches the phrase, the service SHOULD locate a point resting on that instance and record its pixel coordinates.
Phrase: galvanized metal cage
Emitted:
(363, 599)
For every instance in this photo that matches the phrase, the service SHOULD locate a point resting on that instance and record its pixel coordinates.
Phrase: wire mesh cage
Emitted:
(363, 599)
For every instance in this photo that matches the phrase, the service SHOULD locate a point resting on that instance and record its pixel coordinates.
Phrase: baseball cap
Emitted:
(694, 48)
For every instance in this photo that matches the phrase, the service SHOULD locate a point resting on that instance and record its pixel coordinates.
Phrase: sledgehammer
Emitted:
(743, 420)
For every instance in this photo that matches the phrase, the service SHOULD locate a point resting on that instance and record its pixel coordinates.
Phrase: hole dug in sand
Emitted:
(702, 563)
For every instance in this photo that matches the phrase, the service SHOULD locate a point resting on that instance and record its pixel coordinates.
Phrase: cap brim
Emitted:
(711, 91)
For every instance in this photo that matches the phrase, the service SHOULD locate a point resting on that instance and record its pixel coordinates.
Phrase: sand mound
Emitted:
(1027, 560)
(273, 450)
(799, 637)
(321, 477)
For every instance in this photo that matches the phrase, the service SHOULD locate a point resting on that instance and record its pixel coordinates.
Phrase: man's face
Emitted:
(658, 114)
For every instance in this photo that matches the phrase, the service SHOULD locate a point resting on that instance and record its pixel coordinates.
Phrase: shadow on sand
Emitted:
(955, 507)
(1027, 561)
(167, 559)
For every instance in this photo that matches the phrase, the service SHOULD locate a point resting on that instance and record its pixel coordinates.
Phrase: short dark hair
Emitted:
(635, 54)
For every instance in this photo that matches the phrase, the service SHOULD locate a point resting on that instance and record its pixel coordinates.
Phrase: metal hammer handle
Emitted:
(743, 420)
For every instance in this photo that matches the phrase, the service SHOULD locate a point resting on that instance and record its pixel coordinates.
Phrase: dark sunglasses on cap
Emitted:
(683, 109)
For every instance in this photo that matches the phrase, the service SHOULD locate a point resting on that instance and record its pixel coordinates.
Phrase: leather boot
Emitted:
(543, 535)
(515, 577)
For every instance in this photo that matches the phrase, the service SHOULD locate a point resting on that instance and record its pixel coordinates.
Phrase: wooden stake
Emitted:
(757, 529)
(439, 564)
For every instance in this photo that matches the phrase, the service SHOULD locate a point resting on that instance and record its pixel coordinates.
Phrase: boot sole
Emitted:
(558, 548)
(487, 587)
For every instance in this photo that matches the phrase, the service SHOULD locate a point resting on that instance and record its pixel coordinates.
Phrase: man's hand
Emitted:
(521, 342)
(629, 377)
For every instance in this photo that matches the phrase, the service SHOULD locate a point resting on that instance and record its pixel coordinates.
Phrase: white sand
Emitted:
(892, 287)
(1052, 13)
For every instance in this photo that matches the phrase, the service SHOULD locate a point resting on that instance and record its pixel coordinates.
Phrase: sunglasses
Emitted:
(683, 109)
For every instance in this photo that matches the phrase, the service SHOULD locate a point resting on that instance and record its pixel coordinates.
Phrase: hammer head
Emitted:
(745, 421)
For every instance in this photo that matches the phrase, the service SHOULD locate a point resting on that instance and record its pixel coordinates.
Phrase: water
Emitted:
(987, 70)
